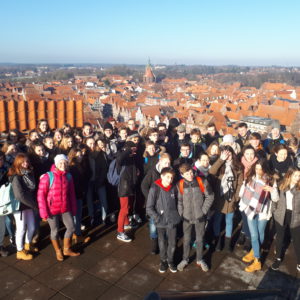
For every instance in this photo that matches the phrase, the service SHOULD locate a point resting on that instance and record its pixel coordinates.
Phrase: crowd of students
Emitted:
(181, 184)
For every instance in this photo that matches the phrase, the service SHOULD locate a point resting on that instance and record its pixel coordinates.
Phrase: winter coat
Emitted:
(220, 204)
(269, 143)
(128, 179)
(193, 205)
(197, 148)
(58, 199)
(80, 177)
(149, 179)
(162, 205)
(280, 208)
(23, 193)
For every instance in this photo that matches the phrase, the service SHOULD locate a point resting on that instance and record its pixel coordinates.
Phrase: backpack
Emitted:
(113, 176)
(200, 182)
(51, 178)
(8, 203)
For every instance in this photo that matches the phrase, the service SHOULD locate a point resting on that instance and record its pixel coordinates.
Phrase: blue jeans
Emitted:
(78, 217)
(9, 225)
(152, 229)
(102, 201)
(257, 232)
(245, 227)
(217, 223)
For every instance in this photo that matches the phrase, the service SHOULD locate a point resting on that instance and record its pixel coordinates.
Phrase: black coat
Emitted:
(148, 180)
(129, 176)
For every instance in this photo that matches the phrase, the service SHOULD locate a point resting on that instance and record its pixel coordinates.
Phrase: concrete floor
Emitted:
(109, 269)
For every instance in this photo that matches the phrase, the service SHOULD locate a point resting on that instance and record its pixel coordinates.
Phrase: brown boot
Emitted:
(59, 255)
(249, 257)
(255, 266)
(67, 248)
(23, 255)
(30, 248)
(78, 239)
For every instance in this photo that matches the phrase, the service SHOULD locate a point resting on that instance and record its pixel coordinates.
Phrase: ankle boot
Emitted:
(56, 246)
(78, 239)
(154, 246)
(23, 255)
(227, 245)
(30, 248)
(67, 248)
(218, 243)
(241, 240)
(247, 244)
(249, 257)
(255, 266)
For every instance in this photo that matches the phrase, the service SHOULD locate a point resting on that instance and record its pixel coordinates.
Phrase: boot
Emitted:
(67, 248)
(241, 240)
(227, 245)
(78, 239)
(59, 255)
(249, 257)
(30, 248)
(218, 243)
(255, 266)
(23, 255)
(154, 247)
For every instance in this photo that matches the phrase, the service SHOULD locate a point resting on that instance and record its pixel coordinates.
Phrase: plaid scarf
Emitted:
(254, 197)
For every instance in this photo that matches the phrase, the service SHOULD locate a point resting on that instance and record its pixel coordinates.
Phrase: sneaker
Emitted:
(3, 252)
(203, 265)
(123, 237)
(163, 267)
(276, 264)
(172, 268)
(298, 268)
(182, 265)
(131, 225)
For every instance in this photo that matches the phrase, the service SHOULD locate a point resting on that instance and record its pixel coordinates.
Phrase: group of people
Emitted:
(181, 184)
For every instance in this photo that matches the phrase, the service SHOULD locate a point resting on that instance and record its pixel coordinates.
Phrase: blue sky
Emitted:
(129, 31)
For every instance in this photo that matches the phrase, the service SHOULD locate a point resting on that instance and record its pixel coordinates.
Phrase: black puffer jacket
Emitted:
(129, 177)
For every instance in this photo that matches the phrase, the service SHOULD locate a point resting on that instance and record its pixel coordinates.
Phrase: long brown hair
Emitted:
(265, 168)
(17, 165)
(286, 181)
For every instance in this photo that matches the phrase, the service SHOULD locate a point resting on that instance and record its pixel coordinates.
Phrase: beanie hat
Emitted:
(130, 144)
(228, 138)
(173, 123)
(107, 125)
(275, 124)
(60, 157)
(133, 134)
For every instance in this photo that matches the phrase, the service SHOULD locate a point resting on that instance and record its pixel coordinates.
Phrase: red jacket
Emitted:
(58, 199)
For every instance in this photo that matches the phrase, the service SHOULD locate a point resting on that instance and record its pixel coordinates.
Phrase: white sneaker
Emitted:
(182, 265)
(203, 265)
(298, 268)
(123, 237)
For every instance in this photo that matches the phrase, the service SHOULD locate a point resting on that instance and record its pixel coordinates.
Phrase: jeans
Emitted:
(54, 225)
(9, 225)
(90, 198)
(2, 229)
(167, 243)
(78, 217)
(102, 201)
(187, 238)
(125, 205)
(257, 232)
(25, 223)
(245, 226)
(217, 223)
(152, 229)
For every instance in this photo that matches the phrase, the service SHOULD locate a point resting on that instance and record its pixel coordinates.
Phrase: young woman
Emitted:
(23, 186)
(254, 140)
(57, 137)
(213, 152)
(66, 144)
(56, 199)
(287, 215)
(257, 195)
(43, 128)
(248, 159)
(229, 179)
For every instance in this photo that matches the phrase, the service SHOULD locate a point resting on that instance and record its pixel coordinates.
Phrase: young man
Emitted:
(243, 134)
(212, 134)
(274, 138)
(197, 143)
(162, 208)
(195, 198)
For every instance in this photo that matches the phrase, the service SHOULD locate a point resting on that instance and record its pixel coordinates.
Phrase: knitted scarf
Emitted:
(28, 179)
(227, 182)
(247, 165)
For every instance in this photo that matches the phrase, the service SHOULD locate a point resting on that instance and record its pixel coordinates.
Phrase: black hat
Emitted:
(130, 144)
(173, 122)
(107, 125)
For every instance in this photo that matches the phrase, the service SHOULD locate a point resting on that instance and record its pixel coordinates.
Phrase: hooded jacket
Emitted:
(58, 199)
(162, 205)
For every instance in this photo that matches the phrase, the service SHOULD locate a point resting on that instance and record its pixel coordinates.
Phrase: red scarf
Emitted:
(247, 165)
(158, 182)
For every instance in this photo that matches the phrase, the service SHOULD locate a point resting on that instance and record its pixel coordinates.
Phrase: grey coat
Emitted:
(162, 206)
(193, 205)
(280, 208)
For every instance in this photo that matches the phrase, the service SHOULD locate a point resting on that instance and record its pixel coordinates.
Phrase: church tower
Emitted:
(149, 76)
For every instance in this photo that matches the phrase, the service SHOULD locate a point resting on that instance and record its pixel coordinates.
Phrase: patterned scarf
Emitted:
(28, 179)
(227, 182)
